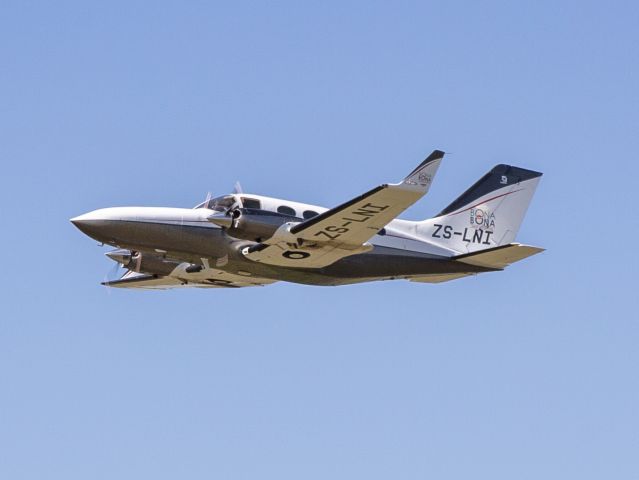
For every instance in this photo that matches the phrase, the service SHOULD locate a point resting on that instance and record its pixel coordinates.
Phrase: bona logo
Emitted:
(424, 179)
(482, 218)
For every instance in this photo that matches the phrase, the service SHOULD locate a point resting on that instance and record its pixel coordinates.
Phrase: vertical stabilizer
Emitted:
(487, 215)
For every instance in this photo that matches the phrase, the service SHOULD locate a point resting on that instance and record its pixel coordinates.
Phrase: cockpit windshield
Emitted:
(219, 204)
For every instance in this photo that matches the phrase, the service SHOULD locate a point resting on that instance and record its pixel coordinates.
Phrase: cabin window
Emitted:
(251, 203)
(219, 204)
(309, 214)
(286, 210)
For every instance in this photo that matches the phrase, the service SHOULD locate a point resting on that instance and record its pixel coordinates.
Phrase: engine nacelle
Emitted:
(250, 224)
(142, 262)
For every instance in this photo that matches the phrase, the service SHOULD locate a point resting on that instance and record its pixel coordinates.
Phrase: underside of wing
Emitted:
(345, 229)
(180, 278)
(144, 281)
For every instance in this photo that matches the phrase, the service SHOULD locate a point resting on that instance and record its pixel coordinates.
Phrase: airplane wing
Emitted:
(345, 229)
(143, 280)
(209, 278)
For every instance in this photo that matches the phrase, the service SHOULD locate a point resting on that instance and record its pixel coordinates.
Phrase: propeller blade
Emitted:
(112, 275)
(237, 188)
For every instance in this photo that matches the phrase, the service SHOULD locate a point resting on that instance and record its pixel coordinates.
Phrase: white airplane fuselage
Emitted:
(241, 239)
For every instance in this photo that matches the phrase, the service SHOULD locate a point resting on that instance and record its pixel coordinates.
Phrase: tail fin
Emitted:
(487, 215)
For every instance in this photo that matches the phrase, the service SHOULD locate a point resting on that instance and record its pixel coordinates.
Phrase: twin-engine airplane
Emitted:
(243, 240)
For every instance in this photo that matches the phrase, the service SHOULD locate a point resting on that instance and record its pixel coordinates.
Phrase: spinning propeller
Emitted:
(113, 273)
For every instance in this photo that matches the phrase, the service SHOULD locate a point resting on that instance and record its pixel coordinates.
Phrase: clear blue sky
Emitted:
(530, 373)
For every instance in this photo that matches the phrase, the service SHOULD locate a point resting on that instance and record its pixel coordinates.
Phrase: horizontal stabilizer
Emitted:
(439, 277)
(499, 257)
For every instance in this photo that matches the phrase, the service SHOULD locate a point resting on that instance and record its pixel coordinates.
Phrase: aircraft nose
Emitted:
(98, 224)
(81, 220)
(88, 223)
